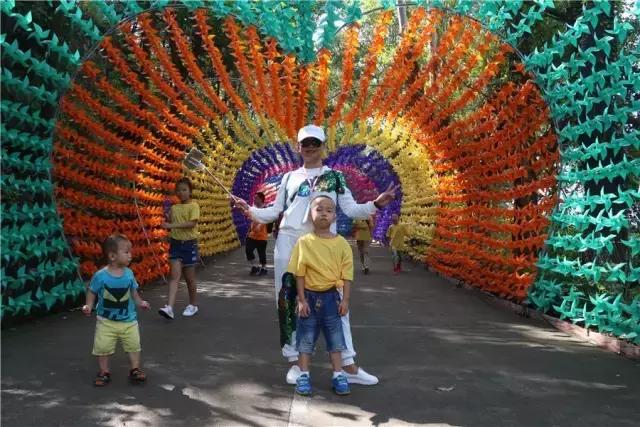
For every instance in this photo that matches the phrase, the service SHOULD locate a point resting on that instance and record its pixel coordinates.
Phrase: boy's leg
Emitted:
(336, 360)
(103, 363)
(334, 337)
(104, 345)
(307, 332)
(304, 359)
(360, 245)
(249, 247)
(174, 279)
(190, 277)
(262, 252)
(365, 253)
(134, 360)
(130, 335)
(396, 258)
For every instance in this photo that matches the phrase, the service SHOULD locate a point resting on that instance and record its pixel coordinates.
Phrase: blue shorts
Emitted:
(185, 251)
(323, 315)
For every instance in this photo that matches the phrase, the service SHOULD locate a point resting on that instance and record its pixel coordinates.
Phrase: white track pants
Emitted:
(282, 254)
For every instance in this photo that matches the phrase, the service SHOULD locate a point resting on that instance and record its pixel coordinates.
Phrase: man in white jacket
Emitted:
(293, 200)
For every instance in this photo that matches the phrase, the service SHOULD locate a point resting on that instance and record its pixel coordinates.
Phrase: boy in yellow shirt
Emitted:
(396, 234)
(322, 263)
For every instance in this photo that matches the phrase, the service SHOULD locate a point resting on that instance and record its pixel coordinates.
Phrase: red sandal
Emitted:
(102, 379)
(137, 375)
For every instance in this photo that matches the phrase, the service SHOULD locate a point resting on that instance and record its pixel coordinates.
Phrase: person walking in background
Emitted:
(362, 230)
(183, 248)
(396, 234)
(257, 240)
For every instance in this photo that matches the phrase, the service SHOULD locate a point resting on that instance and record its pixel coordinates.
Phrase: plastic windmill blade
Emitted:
(194, 159)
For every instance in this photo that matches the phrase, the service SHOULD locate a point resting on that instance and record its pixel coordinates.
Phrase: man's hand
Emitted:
(86, 309)
(343, 307)
(386, 197)
(303, 308)
(144, 305)
(238, 203)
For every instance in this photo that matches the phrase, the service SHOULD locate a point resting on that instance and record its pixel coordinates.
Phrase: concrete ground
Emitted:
(444, 357)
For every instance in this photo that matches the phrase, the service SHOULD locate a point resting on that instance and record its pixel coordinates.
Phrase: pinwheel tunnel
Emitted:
(477, 175)
(446, 108)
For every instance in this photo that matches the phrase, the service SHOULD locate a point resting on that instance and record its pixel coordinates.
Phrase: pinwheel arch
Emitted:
(488, 178)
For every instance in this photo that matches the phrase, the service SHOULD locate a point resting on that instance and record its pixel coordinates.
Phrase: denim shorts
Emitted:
(323, 316)
(184, 250)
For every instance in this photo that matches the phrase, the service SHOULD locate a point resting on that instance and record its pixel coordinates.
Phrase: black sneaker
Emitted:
(365, 270)
(254, 271)
(263, 271)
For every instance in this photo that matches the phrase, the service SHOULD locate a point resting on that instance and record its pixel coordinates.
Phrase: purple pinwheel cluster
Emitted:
(368, 174)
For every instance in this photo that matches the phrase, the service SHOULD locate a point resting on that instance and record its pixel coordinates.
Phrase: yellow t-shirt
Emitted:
(362, 230)
(324, 263)
(184, 212)
(396, 233)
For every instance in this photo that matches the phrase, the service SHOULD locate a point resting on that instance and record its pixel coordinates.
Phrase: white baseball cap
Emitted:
(311, 131)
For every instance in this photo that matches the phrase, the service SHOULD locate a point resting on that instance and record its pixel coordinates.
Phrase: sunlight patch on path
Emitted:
(318, 411)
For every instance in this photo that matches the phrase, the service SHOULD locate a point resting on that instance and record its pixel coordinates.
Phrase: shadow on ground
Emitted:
(444, 356)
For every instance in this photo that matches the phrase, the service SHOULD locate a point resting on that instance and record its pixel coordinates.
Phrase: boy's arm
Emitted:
(343, 308)
(139, 301)
(90, 300)
(303, 306)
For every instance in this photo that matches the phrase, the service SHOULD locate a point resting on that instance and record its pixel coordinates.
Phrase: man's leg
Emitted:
(354, 373)
(281, 255)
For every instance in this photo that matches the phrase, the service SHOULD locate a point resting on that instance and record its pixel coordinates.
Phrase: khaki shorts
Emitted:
(108, 332)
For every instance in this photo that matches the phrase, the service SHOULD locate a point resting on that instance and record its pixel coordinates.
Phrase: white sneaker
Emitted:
(166, 311)
(362, 377)
(293, 374)
(190, 310)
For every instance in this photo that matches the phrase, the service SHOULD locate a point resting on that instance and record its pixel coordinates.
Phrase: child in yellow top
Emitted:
(362, 232)
(396, 234)
(322, 263)
(183, 248)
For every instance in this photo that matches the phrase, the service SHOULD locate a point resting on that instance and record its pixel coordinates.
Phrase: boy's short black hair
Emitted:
(110, 245)
(186, 181)
(261, 195)
(324, 196)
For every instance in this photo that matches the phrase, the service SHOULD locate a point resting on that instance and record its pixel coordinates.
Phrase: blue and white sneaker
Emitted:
(303, 385)
(341, 385)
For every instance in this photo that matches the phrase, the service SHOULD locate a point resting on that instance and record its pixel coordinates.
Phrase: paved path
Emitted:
(444, 356)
